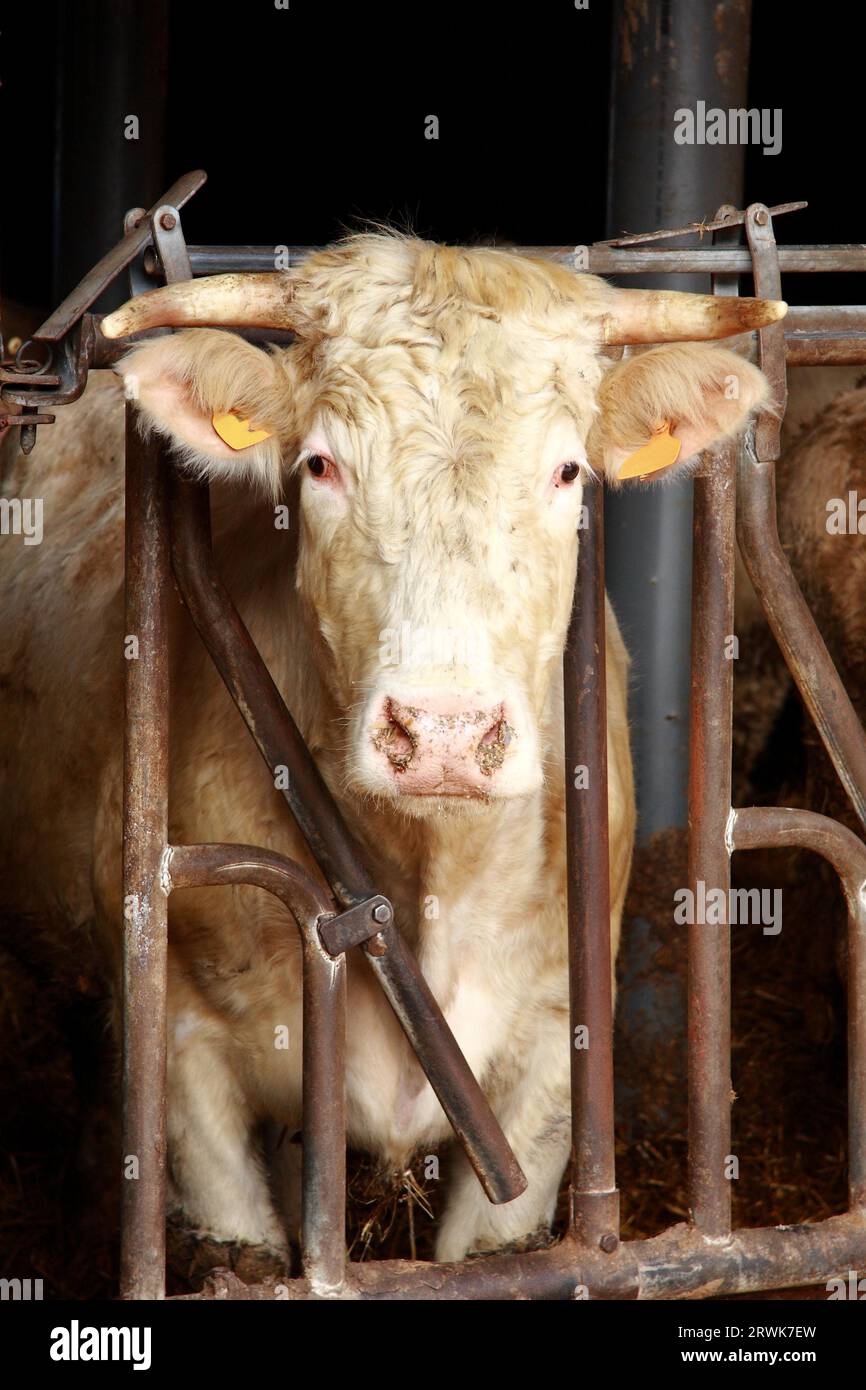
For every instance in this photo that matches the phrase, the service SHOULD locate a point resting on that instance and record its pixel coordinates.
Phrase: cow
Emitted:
(430, 428)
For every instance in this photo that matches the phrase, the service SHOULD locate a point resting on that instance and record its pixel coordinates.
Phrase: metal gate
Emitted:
(168, 529)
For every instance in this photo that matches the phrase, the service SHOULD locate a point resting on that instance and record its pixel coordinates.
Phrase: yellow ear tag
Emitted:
(661, 451)
(237, 433)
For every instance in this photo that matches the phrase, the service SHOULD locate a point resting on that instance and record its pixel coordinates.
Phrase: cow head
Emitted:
(444, 408)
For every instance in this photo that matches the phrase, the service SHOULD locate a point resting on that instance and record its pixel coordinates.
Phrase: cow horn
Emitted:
(665, 316)
(242, 301)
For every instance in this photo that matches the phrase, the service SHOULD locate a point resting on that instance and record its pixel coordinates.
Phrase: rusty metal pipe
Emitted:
(680, 1263)
(250, 685)
(601, 259)
(145, 812)
(709, 974)
(594, 1199)
(323, 1229)
(772, 827)
(445, 1066)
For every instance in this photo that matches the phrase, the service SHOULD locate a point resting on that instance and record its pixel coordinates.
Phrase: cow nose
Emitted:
(441, 746)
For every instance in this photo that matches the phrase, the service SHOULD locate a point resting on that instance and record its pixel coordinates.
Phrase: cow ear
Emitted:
(669, 404)
(181, 382)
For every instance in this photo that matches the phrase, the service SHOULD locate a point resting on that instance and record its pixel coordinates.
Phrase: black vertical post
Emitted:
(668, 55)
(111, 66)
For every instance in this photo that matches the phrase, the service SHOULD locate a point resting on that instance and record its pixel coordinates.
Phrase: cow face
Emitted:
(443, 409)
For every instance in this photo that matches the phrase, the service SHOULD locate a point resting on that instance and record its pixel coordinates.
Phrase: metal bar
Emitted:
(778, 827)
(250, 685)
(680, 1263)
(445, 1067)
(114, 262)
(722, 221)
(710, 747)
(145, 834)
(279, 741)
(594, 1199)
(145, 811)
(709, 973)
(771, 340)
(324, 1041)
(831, 352)
(793, 260)
(597, 259)
(794, 627)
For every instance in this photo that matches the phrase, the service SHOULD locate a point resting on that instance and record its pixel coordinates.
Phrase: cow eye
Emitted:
(568, 472)
(318, 465)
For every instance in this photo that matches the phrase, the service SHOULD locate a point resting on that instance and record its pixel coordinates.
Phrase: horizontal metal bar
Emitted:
(599, 259)
(680, 1263)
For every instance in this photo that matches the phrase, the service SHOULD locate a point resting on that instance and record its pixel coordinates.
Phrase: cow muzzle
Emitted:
(429, 743)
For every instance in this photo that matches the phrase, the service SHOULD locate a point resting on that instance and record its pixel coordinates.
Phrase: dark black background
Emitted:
(310, 121)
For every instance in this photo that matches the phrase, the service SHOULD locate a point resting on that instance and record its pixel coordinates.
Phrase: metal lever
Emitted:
(371, 924)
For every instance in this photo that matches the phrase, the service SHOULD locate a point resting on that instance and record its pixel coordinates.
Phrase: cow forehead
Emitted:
(398, 310)
(482, 384)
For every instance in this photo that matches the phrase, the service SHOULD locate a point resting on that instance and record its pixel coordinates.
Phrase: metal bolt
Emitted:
(133, 219)
(609, 1243)
(382, 913)
(167, 221)
(762, 217)
(376, 946)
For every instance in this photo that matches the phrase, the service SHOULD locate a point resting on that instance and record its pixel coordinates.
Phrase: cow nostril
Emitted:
(394, 740)
(490, 753)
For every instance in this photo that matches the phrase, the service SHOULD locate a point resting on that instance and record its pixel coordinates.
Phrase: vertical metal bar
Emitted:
(709, 1002)
(594, 1199)
(857, 1046)
(323, 1211)
(709, 975)
(145, 812)
(145, 840)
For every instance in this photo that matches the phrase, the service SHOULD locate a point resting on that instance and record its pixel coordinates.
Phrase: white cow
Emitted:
(430, 428)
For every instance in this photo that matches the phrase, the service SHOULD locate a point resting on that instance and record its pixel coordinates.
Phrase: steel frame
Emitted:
(168, 528)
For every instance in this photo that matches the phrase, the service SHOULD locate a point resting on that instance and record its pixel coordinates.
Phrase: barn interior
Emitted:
(559, 139)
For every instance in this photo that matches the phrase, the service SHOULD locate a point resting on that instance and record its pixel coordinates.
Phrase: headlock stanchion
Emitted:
(168, 527)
